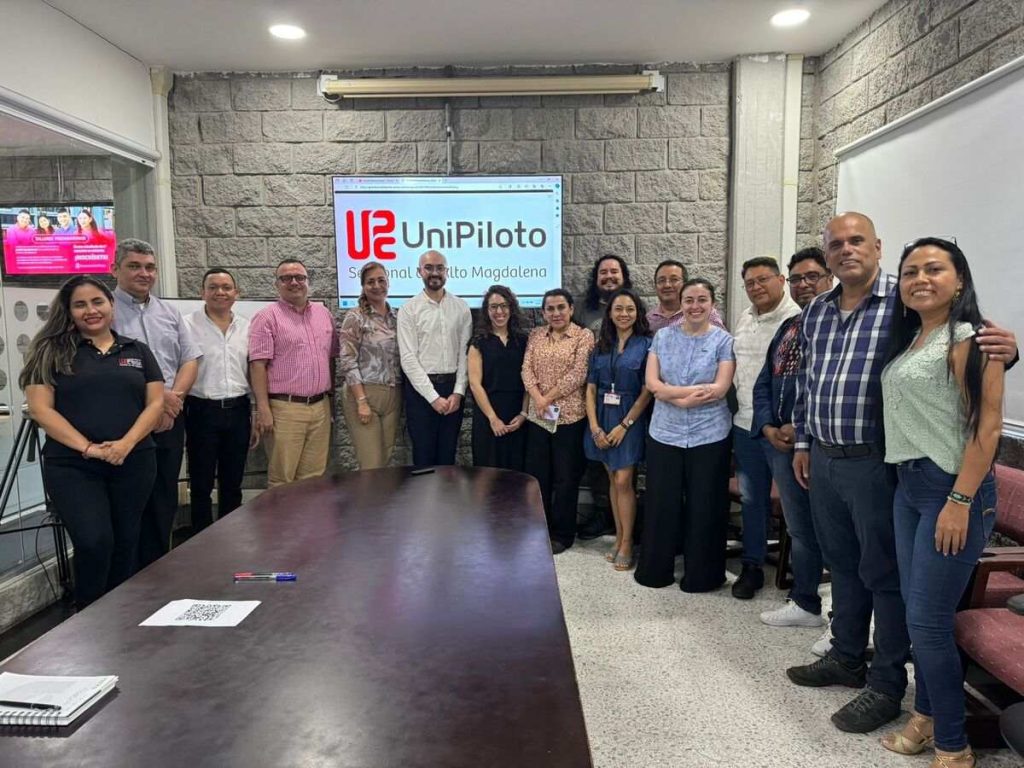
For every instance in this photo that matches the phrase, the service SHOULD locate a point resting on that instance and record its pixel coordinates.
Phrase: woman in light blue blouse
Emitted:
(942, 402)
(689, 371)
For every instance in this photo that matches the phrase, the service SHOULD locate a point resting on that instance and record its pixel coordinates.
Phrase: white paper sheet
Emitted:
(201, 613)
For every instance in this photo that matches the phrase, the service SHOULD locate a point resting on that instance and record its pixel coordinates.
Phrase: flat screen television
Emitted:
(491, 229)
(57, 239)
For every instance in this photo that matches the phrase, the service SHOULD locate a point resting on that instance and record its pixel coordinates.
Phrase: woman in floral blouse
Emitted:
(555, 374)
(369, 366)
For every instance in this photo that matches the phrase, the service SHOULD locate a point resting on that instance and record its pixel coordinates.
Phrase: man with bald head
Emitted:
(433, 332)
(838, 457)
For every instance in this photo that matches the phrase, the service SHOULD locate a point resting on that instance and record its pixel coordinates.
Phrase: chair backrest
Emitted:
(1010, 502)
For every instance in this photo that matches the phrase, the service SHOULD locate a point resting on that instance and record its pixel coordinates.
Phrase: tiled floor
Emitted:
(670, 679)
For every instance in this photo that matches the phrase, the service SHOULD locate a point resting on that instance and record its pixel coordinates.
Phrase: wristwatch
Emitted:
(628, 422)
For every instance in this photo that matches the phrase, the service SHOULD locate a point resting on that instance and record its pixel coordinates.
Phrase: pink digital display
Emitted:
(58, 239)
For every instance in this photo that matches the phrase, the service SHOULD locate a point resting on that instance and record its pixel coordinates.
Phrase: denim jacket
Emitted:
(775, 387)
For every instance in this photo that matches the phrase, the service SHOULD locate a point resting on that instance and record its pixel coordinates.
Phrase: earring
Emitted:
(956, 294)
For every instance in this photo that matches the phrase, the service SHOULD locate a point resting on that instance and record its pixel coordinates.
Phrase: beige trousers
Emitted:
(297, 447)
(374, 442)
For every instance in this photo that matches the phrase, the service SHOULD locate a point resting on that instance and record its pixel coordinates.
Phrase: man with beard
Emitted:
(433, 332)
(608, 275)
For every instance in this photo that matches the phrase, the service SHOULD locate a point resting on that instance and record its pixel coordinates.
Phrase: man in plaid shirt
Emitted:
(839, 456)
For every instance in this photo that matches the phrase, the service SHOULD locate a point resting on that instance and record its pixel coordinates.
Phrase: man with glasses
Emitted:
(839, 457)
(433, 333)
(669, 277)
(138, 314)
(770, 306)
(292, 350)
(774, 395)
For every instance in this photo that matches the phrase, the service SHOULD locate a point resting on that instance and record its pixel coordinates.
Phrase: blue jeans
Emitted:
(851, 503)
(805, 555)
(755, 481)
(932, 585)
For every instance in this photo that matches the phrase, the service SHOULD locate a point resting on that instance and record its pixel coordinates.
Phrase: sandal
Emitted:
(611, 554)
(916, 736)
(962, 759)
(622, 562)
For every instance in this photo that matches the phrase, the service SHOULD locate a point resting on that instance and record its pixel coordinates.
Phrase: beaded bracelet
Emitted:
(959, 498)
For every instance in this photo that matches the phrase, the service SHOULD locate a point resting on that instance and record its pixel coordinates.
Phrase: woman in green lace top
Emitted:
(942, 401)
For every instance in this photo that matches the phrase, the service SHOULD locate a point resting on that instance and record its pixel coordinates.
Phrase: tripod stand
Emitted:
(28, 439)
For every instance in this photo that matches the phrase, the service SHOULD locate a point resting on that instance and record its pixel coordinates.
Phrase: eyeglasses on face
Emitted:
(755, 281)
(292, 278)
(497, 307)
(811, 278)
(669, 281)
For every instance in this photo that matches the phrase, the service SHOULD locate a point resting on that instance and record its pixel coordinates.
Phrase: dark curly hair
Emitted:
(609, 335)
(482, 327)
(593, 299)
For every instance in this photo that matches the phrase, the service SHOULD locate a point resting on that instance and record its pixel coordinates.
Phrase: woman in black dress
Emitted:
(495, 377)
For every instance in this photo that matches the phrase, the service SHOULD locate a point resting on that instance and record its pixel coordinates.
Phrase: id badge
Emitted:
(551, 413)
(612, 398)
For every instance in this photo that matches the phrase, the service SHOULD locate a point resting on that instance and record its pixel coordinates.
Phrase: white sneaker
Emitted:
(823, 644)
(791, 615)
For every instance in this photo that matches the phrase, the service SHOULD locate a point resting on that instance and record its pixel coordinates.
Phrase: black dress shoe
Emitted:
(868, 711)
(827, 671)
(557, 547)
(751, 579)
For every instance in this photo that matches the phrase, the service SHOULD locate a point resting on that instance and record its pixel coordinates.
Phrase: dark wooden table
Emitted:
(425, 629)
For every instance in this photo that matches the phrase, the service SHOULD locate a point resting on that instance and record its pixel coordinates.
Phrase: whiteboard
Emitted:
(955, 168)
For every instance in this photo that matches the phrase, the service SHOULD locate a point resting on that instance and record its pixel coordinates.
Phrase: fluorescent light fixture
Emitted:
(288, 31)
(397, 87)
(791, 18)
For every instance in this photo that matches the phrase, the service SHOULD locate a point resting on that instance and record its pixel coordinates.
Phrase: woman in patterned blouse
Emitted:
(369, 366)
(555, 374)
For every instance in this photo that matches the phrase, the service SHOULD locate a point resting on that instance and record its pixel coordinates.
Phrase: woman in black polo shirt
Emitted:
(97, 396)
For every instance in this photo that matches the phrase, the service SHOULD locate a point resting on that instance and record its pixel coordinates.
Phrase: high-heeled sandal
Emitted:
(611, 554)
(916, 736)
(963, 759)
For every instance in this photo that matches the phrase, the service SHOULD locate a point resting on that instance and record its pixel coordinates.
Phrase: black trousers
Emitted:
(101, 507)
(158, 516)
(435, 438)
(557, 461)
(700, 475)
(217, 443)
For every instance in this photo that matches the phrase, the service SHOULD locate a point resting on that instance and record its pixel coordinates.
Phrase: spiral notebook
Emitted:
(49, 700)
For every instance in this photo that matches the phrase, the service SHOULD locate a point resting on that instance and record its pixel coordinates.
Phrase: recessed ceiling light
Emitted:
(790, 18)
(288, 31)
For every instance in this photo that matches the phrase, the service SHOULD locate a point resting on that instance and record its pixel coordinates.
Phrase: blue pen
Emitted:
(265, 576)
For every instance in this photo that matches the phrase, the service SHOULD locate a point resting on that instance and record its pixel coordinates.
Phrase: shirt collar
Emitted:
(127, 298)
(285, 305)
(880, 288)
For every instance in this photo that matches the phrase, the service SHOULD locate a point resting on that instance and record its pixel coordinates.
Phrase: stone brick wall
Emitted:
(34, 179)
(908, 53)
(252, 158)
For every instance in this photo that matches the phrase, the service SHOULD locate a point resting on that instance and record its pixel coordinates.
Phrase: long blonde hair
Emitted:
(364, 303)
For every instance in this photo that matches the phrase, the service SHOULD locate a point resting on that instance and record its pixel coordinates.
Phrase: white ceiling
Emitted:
(231, 35)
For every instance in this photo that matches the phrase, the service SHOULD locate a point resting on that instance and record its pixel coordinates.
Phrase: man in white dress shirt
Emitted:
(217, 411)
(433, 331)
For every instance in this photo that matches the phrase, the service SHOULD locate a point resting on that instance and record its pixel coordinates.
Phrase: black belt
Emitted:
(231, 402)
(299, 398)
(441, 378)
(857, 451)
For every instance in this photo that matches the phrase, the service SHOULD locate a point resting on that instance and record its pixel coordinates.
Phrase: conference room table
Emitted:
(424, 628)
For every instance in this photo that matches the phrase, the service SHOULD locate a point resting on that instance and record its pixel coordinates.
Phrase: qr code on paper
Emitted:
(204, 613)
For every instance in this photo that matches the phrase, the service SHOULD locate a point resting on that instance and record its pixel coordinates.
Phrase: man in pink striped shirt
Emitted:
(292, 349)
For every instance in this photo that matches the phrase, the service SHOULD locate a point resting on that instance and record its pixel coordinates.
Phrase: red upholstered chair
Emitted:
(998, 576)
(987, 633)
